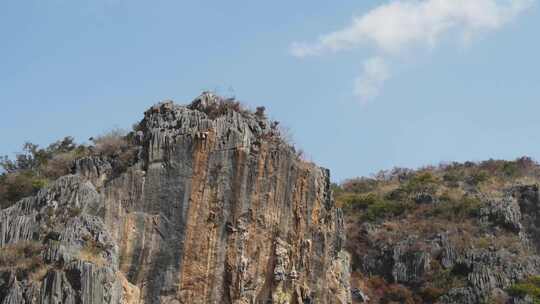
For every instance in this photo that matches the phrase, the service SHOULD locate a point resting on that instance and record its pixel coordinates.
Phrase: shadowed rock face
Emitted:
(217, 209)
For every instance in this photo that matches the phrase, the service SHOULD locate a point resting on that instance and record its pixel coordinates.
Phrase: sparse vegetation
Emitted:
(529, 287)
(423, 182)
(92, 252)
(111, 143)
(260, 112)
(390, 193)
(414, 208)
(34, 168)
(477, 177)
(385, 292)
(117, 147)
(360, 185)
(371, 206)
(24, 258)
(431, 294)
(224, 106)
(92, 255)
(381, 209)
(452, 209)
(357, 201)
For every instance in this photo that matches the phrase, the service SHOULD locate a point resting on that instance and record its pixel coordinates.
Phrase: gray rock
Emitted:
(359, 295)
(216, 210)
(505, 213)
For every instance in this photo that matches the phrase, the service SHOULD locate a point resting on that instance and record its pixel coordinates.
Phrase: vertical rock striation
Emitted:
(217, 209)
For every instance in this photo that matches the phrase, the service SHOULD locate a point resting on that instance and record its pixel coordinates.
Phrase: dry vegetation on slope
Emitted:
(455, 233)
(35, 167)
(439, 234)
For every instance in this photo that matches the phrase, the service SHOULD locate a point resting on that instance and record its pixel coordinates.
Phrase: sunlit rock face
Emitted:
(217, 208)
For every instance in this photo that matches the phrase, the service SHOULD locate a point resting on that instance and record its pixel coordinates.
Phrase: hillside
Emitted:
(456, 233)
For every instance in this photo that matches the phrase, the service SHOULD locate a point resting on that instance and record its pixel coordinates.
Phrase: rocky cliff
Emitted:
(215, 208)
(459, 233)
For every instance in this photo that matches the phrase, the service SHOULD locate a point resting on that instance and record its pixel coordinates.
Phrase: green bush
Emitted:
(457, 209)
(452, 178)
(421, 182)
(74, 211)
(38, 183)
(359, 201)
(383, 209)
(510, 169)
(336, 190)
(397, 195)
(33, 168)
(478, 177)
(371, 206)
(440, 281)
(529, 287)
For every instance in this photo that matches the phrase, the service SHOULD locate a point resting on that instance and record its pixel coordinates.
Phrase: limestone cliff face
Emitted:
(217, 209)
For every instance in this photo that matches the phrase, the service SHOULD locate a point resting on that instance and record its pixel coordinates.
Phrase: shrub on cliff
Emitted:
(117, 147)
(224, 106)
(110, 143)
(478, 177)
(24, 259)
(529, 287)
(452, 209)
(442, 209)
(423, 182)
(383, 208)
(360, 185)
(370, 206)
(430, 294)
(34, 167)
(452, 178)
(92, 252)
(260, 112)
(355, 201)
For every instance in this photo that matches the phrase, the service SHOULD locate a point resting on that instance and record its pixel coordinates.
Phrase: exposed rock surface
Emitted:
(464, 261)
(217, 209)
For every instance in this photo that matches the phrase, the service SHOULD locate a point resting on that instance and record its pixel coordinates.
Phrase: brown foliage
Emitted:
(59, 165)
(110, 143)
(17, 185)
(117, 147)
(23, 258)
(223, 107)
(390, 293)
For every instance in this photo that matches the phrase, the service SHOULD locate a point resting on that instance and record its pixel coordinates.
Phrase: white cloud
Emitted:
(405, 24)
(374, 73)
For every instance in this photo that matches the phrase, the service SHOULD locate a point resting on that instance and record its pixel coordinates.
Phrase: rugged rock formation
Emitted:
(467, 246)
(217, 208)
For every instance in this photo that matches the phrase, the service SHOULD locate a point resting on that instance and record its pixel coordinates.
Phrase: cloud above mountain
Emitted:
(397, 26)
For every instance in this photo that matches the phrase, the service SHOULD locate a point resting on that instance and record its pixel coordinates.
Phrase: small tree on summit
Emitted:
(259, 112)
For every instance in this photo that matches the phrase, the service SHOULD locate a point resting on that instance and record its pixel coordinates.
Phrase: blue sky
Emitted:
(468, 90)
